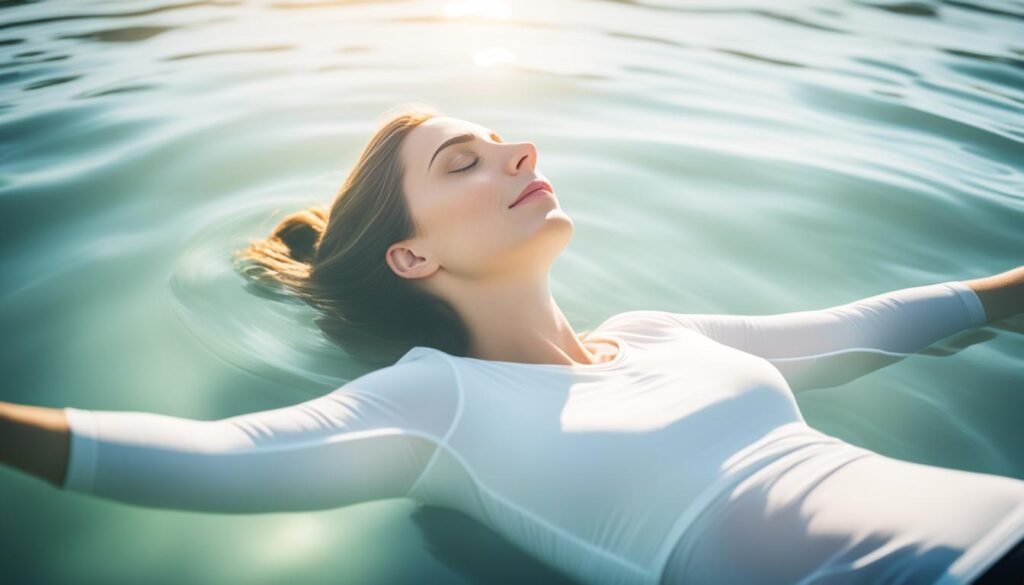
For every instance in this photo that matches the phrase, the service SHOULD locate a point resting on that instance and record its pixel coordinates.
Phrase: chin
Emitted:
(560, 236)
(565, 225)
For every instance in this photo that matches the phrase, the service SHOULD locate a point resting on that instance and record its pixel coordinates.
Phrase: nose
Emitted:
(525, 154)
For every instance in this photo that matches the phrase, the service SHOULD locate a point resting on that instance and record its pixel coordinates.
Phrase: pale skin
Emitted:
(489, 261)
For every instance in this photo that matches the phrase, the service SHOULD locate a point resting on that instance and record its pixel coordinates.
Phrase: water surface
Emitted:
(716, 157)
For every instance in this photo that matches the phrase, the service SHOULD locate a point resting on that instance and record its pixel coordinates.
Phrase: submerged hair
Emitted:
(334, 259)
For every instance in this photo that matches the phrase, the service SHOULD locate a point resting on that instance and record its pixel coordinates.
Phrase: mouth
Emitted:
(530, 188)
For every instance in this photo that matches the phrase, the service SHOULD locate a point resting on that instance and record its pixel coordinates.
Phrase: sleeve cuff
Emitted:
(975, 310)
(81, 469)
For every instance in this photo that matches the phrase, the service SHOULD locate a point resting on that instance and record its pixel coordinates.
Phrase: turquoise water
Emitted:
(715, 157)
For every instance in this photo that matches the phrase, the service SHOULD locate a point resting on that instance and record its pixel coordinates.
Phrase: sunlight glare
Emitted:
(486, 8)
(298, 540)
(493, 56)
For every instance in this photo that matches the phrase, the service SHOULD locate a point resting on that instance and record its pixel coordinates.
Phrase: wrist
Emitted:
(1001, 295)
(34, 440)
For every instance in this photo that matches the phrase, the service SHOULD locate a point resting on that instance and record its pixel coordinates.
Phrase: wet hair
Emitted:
(334, 259)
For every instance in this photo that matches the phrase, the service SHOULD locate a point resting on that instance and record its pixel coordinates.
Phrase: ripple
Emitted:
(51, 81)
(800, 21)
(22, 63)
(985, 9)
(88, 16)
(761, 58)
(118, 90)
(718, 157)
(982, 134)
(232, 51)
(908, 7)
(1011, 61)
(274, 340)
(129, 34)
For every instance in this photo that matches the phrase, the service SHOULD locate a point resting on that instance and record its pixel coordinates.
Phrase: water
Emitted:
(715, 157)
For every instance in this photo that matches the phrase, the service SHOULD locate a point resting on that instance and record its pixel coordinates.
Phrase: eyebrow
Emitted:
(464, 137)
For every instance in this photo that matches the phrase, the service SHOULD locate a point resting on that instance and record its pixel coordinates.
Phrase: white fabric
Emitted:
(684, 459)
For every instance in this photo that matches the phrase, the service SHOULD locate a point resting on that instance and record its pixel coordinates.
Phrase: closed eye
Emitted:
(467, 167)
(494, 136)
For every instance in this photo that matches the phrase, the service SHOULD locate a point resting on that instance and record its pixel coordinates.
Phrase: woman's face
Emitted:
(459, 193)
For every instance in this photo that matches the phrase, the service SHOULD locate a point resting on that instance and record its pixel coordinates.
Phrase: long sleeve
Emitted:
(831, 346)
(369, 439)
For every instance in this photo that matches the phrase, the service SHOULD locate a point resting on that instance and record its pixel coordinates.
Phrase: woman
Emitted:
(659, 448)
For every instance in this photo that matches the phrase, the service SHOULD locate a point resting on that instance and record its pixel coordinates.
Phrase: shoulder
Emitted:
(421, 369)
(419, 390)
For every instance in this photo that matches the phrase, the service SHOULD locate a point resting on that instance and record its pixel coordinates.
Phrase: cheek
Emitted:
(472, 220)
(471, 208)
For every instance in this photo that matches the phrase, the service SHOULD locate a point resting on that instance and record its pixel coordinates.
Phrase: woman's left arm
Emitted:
(1002, 295)
(831, 346)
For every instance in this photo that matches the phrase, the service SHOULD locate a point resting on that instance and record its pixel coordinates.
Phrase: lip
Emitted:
(531, 187)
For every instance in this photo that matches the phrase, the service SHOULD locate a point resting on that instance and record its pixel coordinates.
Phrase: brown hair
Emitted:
(335, 259)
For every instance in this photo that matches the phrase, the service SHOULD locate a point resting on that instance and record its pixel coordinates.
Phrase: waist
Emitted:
(783, 449)
(838, 509)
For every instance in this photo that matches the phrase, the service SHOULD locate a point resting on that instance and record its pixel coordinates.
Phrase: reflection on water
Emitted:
(716, 157)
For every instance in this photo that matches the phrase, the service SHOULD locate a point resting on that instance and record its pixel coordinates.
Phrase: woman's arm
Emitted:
(367, 440)
(831, 346)
(34, 439)
(320, 454)
(1002, 294)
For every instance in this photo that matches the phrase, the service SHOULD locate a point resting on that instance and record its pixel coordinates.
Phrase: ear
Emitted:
(405, 262)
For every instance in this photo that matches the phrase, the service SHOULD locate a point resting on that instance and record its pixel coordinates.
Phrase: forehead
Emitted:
(423, 140)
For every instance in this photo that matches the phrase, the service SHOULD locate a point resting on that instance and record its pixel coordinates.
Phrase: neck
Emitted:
(519, 322)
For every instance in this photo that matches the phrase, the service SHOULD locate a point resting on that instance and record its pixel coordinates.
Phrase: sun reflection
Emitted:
(487, 8)
(493, 56)
(296, 541)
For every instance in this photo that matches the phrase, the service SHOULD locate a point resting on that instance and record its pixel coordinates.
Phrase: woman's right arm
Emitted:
(369, 439)
(35, 440)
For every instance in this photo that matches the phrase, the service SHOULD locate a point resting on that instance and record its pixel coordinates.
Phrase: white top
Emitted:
(685, 458)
